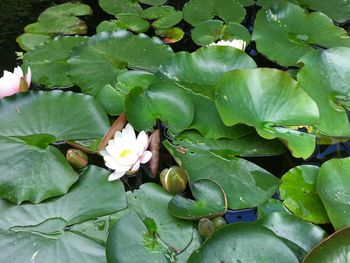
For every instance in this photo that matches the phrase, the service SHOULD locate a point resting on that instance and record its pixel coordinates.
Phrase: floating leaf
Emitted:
(198, 73)
(40, 232)
(244, 243)
(163, 16)
(163, 101)
(48, 62)
(150, 202)
(37, 119)
(105, 56)
(298, 190)
(333, 249)
(210, 201)
(110, 26)
(170, 35)
(196, 11)
(244, 183)
(29, 41)
(333, 186)
(130, 21)
(115, 7)
(294, 32)
(325, 76)
(268, 99)
(270, 206)
(302, 234)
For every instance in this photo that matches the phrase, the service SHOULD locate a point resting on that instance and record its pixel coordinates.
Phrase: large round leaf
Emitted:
(162, 16)
(243, 243)
(164, 101)
(285, 32)
(325, 76)
(40, 232)
(101, 59)
(196, 11)
(333, 186)
(244, 183)
(48, 62)
(198, 73)
(115, 7)
(243, 145)
(302, 234)
(336, 248)
(268, 99)
(30, 169)
(210, 201)
(298, 190)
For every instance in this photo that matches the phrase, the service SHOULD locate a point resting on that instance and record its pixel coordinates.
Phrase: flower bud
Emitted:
(206, 227)
(77, 158)
(174, 179)
(219, 222)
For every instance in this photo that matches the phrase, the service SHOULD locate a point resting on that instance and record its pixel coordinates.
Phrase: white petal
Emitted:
(145, 157)
(129, 133)
(103, 153)
(135, 167)
(142, 141)
(112, 149)
(18, 72)
(29, 76)
(115, 176)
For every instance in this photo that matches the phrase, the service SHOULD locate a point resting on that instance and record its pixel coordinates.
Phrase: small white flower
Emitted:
(125, 152)
(236, 43)
(15, 82)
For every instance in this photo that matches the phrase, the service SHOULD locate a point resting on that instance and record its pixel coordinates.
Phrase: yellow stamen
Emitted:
(124, 153)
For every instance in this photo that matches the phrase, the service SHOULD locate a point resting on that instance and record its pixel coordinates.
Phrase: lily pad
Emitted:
(198, 73)
(29, 41)
(129, 21)
(163, 101)
(150, 202)
(333, 186)
(271, 101)
(210, 201)
(30, 122)
(196, 11)
(41, 233)
(48, 62)
(170, 35)
(106, 55)
(244, 183)
(302, 234)
(243, 243)
(115, 7)
(246, 145)
(333, 249)
(294, 32)
(325, 76)
(271, 206)
(298, 190)
(162, 16)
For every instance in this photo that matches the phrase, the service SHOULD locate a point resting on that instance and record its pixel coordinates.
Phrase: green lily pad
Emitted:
(271, 206)
(41, 233)
(268, 99)
(163, 16)
(333, 187)
(106, 55)
(210, 31)
(210, 201)
(129, 21)
(150, 202)
(243, 243)
(294, 32)
(198, 73)
(163, 101)
(302, 234)
(170, 35)
(298, 192)
(61, 19)
(325, 77)
(333, 249)
(31, 169)
(29, 41)
(115, 7)
(244, 183)
(244, 145)
(48, 62)
(196, 11)
(108, 25)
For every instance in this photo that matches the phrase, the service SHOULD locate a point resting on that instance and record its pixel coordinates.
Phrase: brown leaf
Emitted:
(154, 147)
(118, 125)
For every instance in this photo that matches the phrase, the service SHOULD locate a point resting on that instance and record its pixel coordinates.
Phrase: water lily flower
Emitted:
(236, 43)
(15, 82)
(125, 152)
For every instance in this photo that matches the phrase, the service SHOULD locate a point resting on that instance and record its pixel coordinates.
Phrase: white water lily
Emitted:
(236, 43)
(15, 82)
(124, 153)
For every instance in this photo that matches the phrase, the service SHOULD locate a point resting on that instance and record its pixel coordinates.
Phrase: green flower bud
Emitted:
(174, 179)
(219, 222)
(77, 158)
(206, 227)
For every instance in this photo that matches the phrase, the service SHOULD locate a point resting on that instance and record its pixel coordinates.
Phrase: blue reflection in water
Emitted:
(244, 215)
